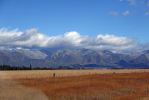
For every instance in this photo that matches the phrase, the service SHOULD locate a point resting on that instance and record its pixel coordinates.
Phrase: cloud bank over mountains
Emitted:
(34, 38)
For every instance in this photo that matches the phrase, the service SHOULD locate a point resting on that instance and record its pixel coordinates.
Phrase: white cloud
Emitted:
(126, 13)
(144, 3)
(115, 42)
(147, 3)
(147, 13)
(114, 13)
(132, 2)
(74, 37)
(32, 37)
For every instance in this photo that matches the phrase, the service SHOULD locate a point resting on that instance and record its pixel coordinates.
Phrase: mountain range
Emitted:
(73, 58)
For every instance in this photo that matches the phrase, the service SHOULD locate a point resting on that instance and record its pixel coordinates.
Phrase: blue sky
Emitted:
(88, 17)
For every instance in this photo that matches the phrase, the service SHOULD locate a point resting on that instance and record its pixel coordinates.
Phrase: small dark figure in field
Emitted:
(53, 74)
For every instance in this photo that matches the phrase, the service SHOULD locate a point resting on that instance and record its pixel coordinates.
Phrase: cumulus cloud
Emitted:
(34, 38)
(131, 2)
(142, 5)
(115, 42)
(116, 13)
(146, 13)
(28, 38)
(126, 13)
(147, 3)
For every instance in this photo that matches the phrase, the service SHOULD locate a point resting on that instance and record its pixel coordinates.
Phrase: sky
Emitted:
(111, 20)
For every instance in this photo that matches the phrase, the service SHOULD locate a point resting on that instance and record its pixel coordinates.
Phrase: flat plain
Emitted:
(104, 84)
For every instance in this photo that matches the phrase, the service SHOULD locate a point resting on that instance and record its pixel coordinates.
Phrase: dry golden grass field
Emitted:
(75, 85)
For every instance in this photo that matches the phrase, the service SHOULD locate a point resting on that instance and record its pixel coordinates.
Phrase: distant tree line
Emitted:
(9, 67)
